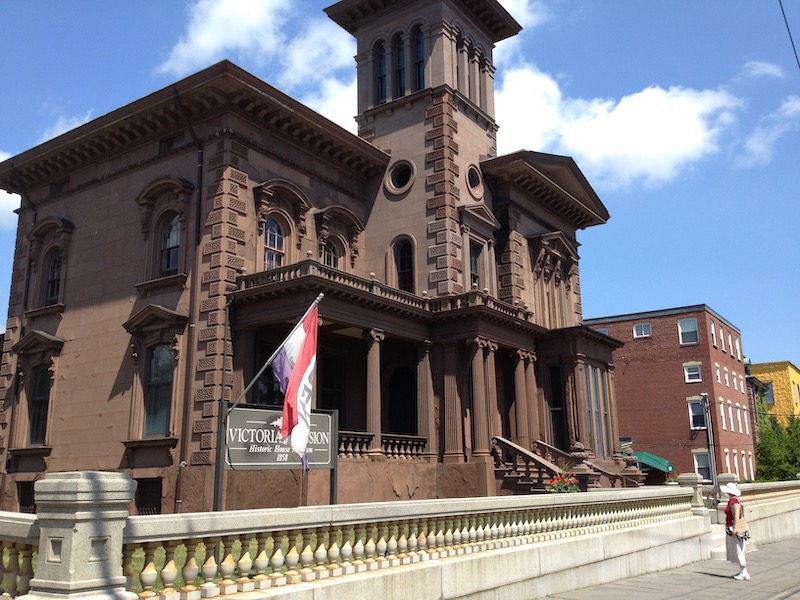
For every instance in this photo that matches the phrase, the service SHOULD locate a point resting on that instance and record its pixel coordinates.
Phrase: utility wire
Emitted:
(789, 31)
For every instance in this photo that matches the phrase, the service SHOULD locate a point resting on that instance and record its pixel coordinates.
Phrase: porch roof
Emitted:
(656, 462)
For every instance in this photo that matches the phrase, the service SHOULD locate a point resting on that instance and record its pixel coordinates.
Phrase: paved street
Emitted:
(774, 568)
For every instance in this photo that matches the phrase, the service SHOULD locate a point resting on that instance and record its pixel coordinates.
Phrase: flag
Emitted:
(293, 367)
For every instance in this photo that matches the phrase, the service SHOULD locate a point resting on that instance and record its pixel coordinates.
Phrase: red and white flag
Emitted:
(294, 366)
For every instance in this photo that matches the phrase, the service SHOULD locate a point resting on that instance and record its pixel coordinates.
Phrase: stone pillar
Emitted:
(490, 373)
(374, 339)
(521, 400)
(82, 516)
(480, 416)
(453, 418)
(532, 397)
(426, 423)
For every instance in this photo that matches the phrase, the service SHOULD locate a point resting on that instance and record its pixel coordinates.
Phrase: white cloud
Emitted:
(312, 55)
(253, 28)
(528, 13)
(336, 101)
(64, 124)
(649, 136)
(8, 204)
(760, 144)
(757, 69)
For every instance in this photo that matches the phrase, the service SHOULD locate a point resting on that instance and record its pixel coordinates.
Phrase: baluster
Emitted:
(440, 551)
(169, 574)
(347, 550)
(380, 547)
(473, 534)
(448, 537)
(209, 570)
(402, 544)
(391, 545)
(342, 448)
(190, 570)
(307, 556)
(334, 552)
(370, 548)
(321, 555)
(226, 568)
(244, 564)
(430, 540)
(26, 569)
(10, 576)
(292, 558)
(148, 575)
(413, 529)
(459, 549)
(422, 541)
(277, 560)
(360, 533)
(127, 565)
(261, 563)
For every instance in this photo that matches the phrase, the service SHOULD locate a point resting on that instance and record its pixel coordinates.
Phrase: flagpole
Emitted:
(223, 416)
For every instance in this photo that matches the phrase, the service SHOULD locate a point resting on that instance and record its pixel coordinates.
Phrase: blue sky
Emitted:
(684, 116)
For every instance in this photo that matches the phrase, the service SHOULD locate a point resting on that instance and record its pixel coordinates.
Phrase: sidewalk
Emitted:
(774, 570)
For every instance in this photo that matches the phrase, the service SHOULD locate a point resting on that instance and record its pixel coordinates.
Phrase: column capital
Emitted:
(375, 335)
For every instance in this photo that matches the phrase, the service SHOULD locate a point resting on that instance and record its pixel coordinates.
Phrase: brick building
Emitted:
(164, 250)
(672, 361)
(782, 393)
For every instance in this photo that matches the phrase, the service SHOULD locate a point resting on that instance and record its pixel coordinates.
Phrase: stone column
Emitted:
(480, 416)
(521, 400)
(495, 421)
(453, 419)
(82, 516)
(532, 397)
(374, 339)
(426, 424)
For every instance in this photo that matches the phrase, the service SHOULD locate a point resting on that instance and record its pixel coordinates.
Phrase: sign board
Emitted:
(253, 441)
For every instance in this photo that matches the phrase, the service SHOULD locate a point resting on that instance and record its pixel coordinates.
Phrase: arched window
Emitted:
(404, 265)
(158, 395)
(332, 255)
(170, 246)
(273, 244)
(399, 67)
(53, 283)
(380, 73)
(419, 60)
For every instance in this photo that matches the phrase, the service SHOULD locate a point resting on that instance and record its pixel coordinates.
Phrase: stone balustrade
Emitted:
(85, 545)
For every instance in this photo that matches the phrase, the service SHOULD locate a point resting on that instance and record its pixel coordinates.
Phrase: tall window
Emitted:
(702, 465)
(597, 423)
(697, 414)
(399, 67)
(713, 329)
(722, 339)
(331, 255)
(687, 329)
(273, 244)
(380, 72)
(419, 60)
(53, 289)
(38, 405)
(170, 246)
(475, 251)
(722, 412)
(158, 395)
(404, 264)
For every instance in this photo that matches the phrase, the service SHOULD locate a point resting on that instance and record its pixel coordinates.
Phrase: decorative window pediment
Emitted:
(337, 221)
(166, 193)
(478, 217)
(153, 325)
(281, 195)
(38, 342)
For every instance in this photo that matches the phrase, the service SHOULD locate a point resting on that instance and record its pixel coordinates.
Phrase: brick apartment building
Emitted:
(164, 250)
(782, 393)
(672, 361)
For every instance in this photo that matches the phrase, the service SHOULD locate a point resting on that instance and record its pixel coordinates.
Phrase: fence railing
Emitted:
(83, 537)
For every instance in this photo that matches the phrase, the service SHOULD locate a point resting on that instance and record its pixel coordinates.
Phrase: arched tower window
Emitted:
(419, 60)
(273, 244)
(170, 245)
(399, 67)
(380, 73)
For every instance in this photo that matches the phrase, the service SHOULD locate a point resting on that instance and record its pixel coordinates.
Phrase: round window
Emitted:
(400, 177)
(474, 182)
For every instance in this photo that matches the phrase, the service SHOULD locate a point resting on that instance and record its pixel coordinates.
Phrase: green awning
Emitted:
(651, 460)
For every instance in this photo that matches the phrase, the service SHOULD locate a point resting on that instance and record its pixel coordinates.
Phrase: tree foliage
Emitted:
(778, 449)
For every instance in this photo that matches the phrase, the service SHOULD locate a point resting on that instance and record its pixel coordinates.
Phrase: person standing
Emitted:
(737, 530)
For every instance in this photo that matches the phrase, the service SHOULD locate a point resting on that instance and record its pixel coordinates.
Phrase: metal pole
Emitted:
(710, 435)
